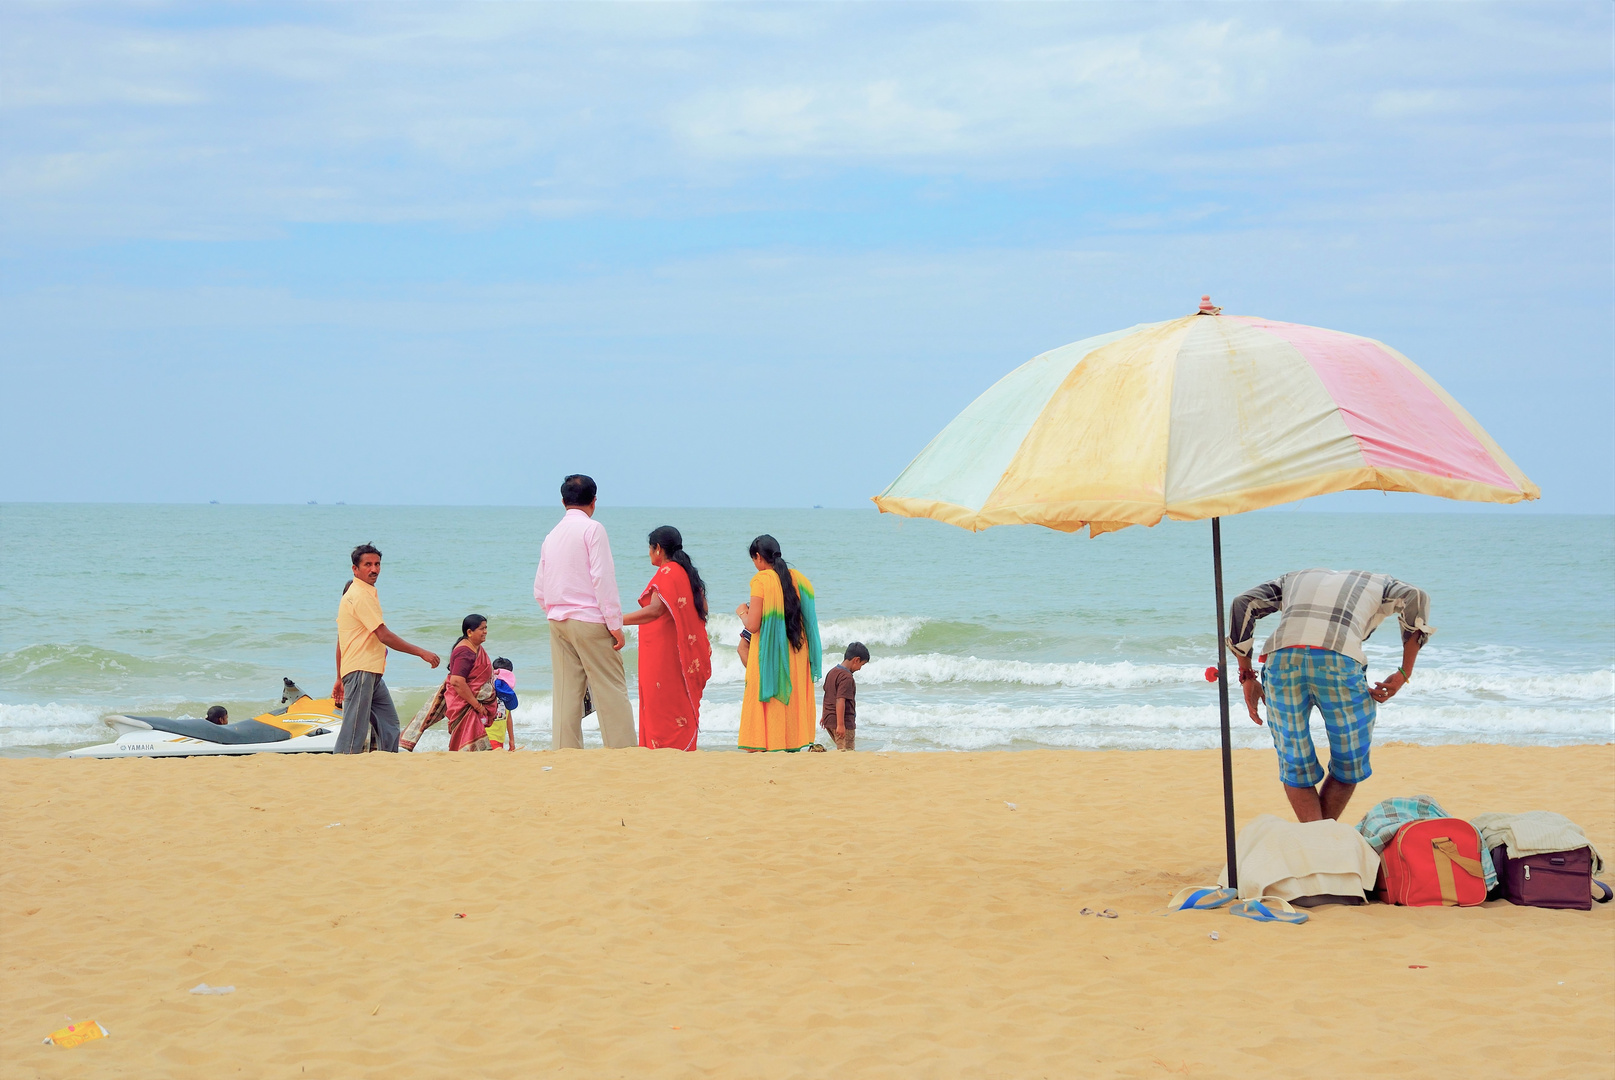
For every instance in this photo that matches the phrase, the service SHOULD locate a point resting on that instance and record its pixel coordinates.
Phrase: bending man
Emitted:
(1315, 657)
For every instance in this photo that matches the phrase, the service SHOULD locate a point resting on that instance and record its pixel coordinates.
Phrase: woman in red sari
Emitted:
(675, 655)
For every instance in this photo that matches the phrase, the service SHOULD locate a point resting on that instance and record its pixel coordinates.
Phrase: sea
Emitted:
(1009, 639)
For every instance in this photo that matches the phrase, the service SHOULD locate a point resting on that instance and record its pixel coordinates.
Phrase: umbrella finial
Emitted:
(1208, 308)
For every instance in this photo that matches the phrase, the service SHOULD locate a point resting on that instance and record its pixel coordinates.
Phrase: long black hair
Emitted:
(672, 544)
(468, 624)
(768, 548)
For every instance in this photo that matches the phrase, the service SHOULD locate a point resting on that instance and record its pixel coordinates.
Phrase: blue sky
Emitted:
(757, 255)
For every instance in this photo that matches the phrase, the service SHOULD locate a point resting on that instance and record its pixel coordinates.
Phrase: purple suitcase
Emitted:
(1555, 879)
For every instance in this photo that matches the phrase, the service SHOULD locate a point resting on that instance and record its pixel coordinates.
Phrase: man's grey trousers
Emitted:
(366, 706)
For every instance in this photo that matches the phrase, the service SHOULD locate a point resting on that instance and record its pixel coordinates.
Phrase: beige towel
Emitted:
(1535, 832)
(1291, 859)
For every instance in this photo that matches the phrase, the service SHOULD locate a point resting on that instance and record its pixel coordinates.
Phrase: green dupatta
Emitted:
(774, 646)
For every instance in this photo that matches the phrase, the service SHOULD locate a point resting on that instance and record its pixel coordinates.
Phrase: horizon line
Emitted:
(1456, 508)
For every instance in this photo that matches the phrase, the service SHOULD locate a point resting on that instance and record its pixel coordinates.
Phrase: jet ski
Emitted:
(302, 725)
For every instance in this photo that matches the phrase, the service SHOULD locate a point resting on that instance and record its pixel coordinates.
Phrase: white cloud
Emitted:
(119, 122)
(948, 93)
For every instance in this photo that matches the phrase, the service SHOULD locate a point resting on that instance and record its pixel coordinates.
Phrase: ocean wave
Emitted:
(1140, 727)
(60, 726)
(727, 670)
(940, 668)
(20, 663)
(63, 669)
(891, 631)
(1558, 686)
(51, 724)
(959, 726)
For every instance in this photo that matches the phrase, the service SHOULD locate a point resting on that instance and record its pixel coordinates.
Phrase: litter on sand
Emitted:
(1214, 936)
(333, 824)
(204, 988)
(549, 768)
(74, 1034)
(1010, 805)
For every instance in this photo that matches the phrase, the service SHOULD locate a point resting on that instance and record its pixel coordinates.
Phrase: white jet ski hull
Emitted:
(306, 726)
(148, 743)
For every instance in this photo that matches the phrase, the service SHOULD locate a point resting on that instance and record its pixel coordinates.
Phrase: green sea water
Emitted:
(1010, 638)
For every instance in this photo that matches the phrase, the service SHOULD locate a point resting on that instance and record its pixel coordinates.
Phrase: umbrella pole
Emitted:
(1222, 701)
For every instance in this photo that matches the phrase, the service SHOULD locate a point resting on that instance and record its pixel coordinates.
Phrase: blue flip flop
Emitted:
(1201, 898)
(1258, 911)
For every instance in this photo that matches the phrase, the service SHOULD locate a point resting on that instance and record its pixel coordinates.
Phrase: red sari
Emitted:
(675, 662)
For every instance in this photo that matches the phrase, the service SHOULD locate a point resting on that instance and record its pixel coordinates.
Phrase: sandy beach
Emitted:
(657, 914)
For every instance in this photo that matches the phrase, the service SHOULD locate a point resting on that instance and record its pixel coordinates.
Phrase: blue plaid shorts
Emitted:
(1297, 679)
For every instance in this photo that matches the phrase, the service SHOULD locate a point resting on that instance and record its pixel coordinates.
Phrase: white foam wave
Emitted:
(1136, 727)
(727, 670)
(1528, 709)
(890, 631)
(1558, 686)
(941, 668)
(51, 724)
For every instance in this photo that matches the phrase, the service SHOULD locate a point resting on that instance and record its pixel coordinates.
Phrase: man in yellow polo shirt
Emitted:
(362, 641)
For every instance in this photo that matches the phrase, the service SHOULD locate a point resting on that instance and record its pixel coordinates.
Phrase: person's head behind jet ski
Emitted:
(218, 714)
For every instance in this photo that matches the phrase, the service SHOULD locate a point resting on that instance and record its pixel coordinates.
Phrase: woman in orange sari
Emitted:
(675, 655)
(779, 641)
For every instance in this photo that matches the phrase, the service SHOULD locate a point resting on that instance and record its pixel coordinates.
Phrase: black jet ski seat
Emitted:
(240, 733)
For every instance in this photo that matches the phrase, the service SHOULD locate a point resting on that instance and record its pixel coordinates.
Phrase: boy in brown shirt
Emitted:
(841, 697)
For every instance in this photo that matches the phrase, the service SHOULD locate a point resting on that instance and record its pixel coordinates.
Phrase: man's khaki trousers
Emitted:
(581, 656)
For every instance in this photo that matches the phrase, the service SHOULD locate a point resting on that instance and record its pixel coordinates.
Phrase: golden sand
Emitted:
(656, 914)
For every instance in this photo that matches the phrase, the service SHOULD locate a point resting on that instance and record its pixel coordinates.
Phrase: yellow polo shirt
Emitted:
(357, 617)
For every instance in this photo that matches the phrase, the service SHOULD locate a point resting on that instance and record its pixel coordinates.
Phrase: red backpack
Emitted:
(1434, 863)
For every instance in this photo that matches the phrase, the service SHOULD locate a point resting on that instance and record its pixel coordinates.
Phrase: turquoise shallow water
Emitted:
(1011, 638)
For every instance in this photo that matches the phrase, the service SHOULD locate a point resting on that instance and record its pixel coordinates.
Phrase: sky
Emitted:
(757, 255)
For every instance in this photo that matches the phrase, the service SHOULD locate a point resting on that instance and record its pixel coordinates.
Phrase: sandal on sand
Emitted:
(1201, 898)
(1259, 911)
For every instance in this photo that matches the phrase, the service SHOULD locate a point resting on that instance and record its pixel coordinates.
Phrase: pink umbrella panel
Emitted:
(1199, 417)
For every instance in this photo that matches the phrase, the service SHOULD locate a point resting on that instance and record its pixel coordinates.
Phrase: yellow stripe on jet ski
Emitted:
(304, 715)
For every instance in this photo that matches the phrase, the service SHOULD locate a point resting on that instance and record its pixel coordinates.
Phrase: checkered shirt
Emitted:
(1328, 609)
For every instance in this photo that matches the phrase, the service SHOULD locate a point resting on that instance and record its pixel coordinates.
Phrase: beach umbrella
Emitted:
(1200, 417)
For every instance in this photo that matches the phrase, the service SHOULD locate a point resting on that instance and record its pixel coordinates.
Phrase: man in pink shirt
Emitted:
(576, 586)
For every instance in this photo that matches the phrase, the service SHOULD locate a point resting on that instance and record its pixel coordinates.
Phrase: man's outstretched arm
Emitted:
(393, 641)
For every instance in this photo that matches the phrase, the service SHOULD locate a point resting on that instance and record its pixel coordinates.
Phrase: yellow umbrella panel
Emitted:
(1199, 417)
